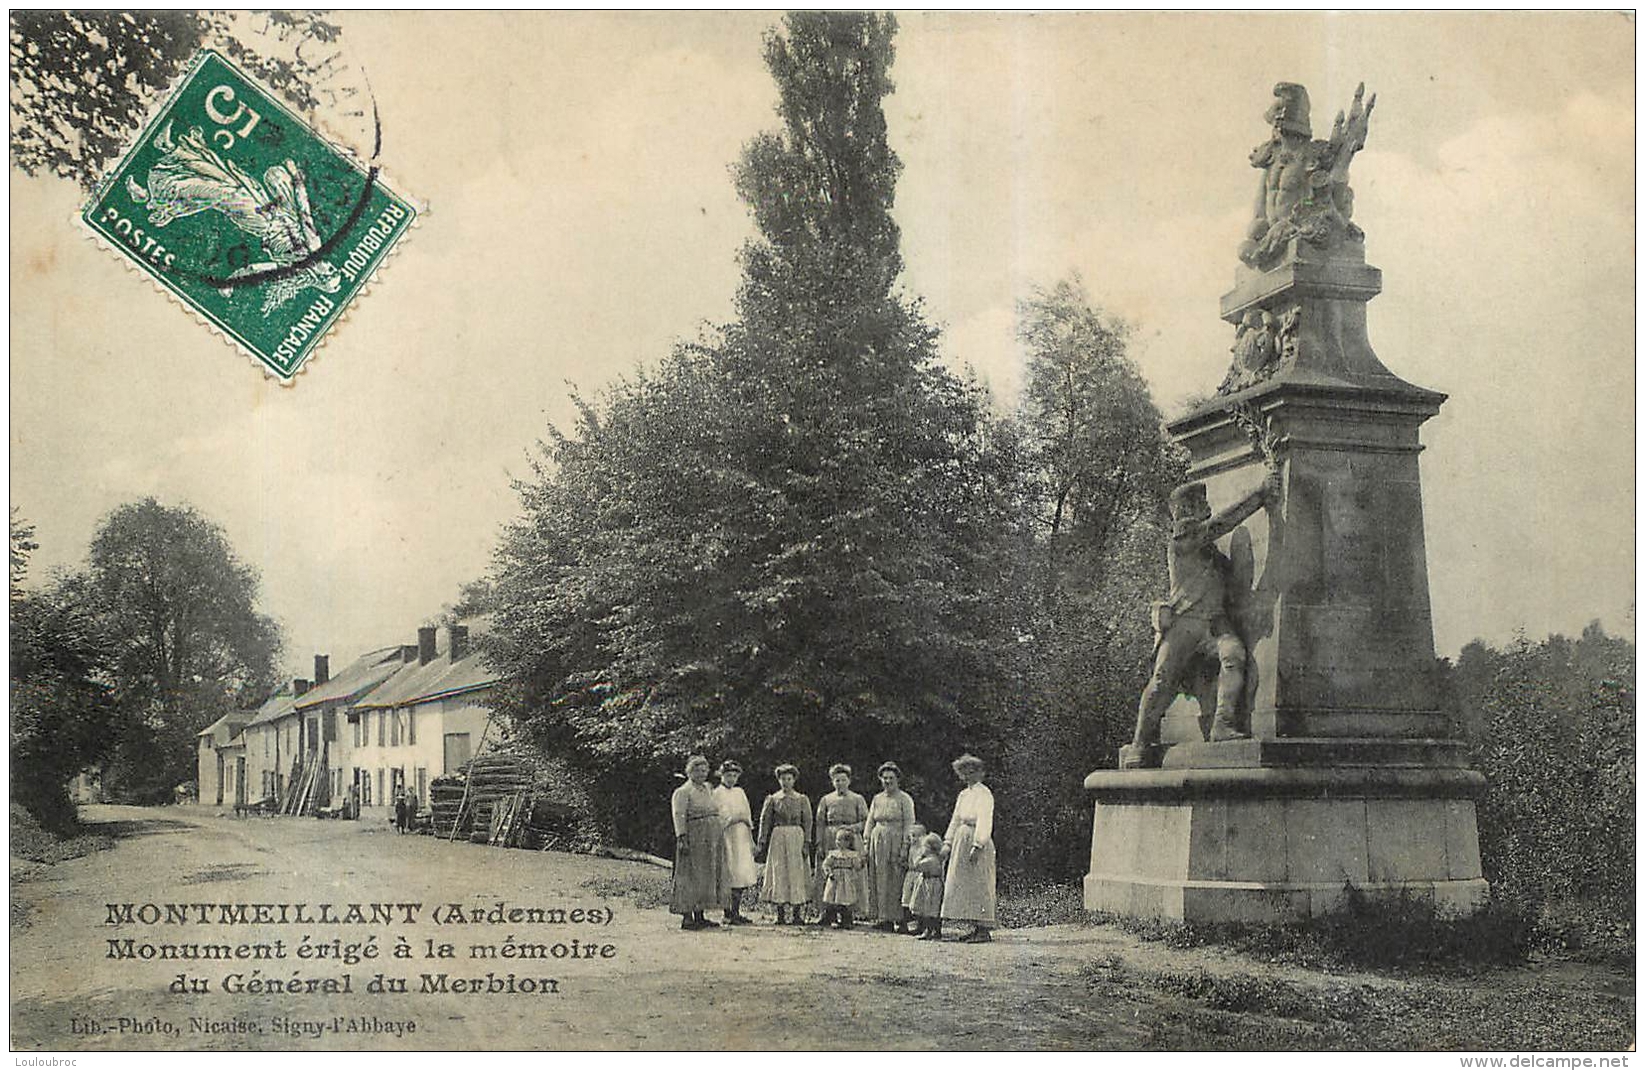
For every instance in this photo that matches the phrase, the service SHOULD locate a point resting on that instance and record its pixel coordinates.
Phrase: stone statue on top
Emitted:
(1304, 191)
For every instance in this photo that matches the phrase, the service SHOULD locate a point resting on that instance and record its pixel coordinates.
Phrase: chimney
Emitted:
(425, 644)
(408, 653)
(322, 669)
(298, 686)
(459, 641)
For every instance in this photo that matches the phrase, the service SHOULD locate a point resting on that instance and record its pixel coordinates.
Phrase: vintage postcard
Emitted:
(760, 531)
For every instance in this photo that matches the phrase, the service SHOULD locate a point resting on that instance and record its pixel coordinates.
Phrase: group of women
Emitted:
(847, 860)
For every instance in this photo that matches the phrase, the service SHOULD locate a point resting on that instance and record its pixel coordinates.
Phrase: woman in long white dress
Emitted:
(739, 839)
(968, 887)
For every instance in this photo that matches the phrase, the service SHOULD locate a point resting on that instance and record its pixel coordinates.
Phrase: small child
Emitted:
(911, 849)
(840, 890)
(928, 877)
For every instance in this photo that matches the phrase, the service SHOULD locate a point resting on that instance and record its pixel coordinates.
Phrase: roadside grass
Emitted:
(1493, 1008)
(30, 841)
(644, 888)
(1198, 1009)
(1402, 932)
(1589, 931)
(1030, 901)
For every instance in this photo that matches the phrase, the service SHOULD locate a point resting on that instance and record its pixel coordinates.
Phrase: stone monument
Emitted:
(1298, 616)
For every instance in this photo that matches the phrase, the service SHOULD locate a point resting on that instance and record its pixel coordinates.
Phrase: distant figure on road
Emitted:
(399, 810)
(408, 811)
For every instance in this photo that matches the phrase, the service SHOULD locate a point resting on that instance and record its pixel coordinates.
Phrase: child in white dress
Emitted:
(928, 869)
(911, 852)
(840, 889)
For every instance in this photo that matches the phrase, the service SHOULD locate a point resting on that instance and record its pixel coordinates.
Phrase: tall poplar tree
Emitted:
(781, 542)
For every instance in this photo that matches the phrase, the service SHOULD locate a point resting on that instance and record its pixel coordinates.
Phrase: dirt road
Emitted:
(647, 984)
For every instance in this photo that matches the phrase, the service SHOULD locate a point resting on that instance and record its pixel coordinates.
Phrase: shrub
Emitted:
(1551, 726)
(1366, 931)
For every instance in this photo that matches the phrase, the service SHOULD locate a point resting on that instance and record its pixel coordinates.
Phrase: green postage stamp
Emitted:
(247, 215)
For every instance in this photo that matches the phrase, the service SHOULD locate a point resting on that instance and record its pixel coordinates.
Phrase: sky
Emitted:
(581, 221)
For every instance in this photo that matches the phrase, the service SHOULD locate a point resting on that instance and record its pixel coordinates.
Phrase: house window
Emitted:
(330, 727)
(382, 728)
(457, 752)
(411, 732)
(380, 793)
(422, 785)
(393, 727)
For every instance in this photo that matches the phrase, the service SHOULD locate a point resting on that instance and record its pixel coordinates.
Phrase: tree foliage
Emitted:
(781, 540)
(62, 717)
(83, 81)
(1096, 473)
(186, 643)
(1551, 725)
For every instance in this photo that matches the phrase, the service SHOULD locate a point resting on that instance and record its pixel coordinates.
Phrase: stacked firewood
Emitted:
(445, 796)
(496, 774)
(506, 800)
(552, 826)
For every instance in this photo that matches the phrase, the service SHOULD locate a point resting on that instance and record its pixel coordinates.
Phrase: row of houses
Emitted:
(396, 718)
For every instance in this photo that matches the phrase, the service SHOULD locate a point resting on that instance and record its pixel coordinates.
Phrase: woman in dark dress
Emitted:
(699, 845)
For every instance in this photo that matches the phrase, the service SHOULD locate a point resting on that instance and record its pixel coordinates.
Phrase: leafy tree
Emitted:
(186, 642)
(785, 540)
(1552, 727)
(22, 545)
(61, 715)
(1097, 477)
(83, 81)
(1097, 456)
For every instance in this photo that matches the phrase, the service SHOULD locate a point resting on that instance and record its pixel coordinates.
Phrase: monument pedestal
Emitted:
(1280, 844)
(1350, 775)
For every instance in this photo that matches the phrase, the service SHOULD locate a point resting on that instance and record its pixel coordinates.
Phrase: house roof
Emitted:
(275, 707)
(415, 683)
(227, 727)
(364, 674)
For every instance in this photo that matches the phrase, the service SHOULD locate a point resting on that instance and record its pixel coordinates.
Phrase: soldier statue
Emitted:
(1195, 623)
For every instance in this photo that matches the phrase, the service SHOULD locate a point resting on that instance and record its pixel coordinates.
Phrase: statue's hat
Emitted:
(1189, 500)
(1289, 111)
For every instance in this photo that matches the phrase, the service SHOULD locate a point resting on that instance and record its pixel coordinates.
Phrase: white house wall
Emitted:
(207, 778)
(431, 722)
